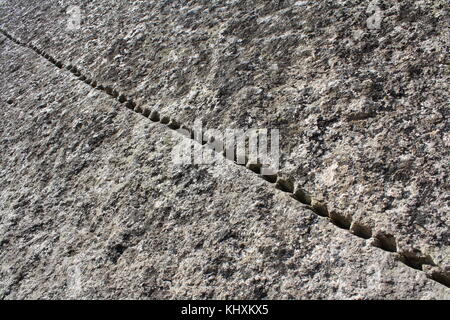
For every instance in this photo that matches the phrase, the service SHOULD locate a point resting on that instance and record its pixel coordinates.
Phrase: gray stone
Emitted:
(92, 206)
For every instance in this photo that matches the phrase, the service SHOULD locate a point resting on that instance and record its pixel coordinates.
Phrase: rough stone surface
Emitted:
(92, 206)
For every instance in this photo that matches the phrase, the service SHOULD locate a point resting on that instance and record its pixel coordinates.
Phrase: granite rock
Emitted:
(93, 207)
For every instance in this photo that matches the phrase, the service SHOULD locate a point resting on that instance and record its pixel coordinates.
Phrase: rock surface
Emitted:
(93, 207)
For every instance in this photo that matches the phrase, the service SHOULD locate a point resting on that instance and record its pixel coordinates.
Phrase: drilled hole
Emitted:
(173, 124)
(122, 98)
(130, 105)
(416, 259)
(340, 220)
(146, 112)
(320, 208)
(255, 167)
(386, 242)
(154, 116)
(138, 109)
(441, 277)
(109, 90)
(361, 231)
(272, 178)
(302, 196)
(285, 185)
(165, 120)
(412, 263)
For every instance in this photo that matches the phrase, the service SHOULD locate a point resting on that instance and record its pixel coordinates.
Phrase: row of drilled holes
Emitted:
(382, 240)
